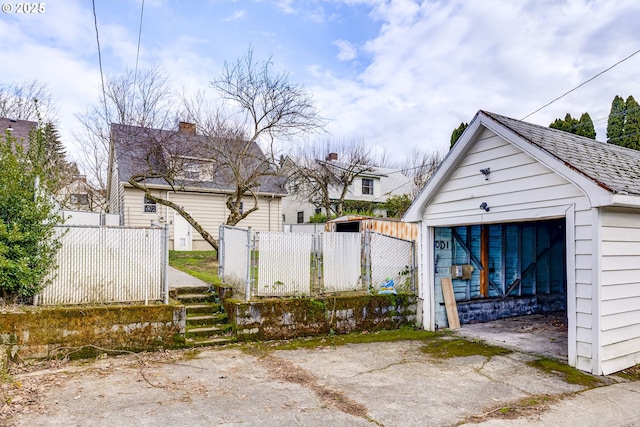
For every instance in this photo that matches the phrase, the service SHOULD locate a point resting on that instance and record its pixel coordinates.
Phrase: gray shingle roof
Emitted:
(19, 129)
(615, 168)
(135, 147)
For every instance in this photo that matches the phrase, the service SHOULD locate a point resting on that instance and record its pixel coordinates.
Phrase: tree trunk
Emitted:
(205, 235)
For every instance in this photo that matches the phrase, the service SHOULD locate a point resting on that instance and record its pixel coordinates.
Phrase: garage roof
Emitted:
(615, 168)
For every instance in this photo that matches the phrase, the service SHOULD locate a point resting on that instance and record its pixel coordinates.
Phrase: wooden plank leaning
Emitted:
(450, 303)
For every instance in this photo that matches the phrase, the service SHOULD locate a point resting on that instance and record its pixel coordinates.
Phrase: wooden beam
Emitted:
(484, 261)
(450, 303)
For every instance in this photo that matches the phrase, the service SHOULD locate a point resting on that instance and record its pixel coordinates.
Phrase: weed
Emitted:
(459, 347)
(570, 375)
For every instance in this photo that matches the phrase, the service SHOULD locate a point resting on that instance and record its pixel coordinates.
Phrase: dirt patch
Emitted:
(290, 372)
(528, 407)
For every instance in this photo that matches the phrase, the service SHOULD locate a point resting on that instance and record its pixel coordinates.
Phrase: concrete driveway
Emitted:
(376, 384)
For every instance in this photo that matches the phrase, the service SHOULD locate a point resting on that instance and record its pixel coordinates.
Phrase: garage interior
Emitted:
(509, 282)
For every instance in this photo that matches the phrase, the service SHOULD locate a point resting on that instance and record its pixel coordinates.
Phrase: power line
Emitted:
(582, 84)
(104, 92)
(135, 74)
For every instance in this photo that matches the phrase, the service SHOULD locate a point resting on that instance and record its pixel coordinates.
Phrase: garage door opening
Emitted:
(504, 271)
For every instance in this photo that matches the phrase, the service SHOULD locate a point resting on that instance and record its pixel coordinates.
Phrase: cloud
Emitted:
(434, 64)
(346, 51)
(235, 16)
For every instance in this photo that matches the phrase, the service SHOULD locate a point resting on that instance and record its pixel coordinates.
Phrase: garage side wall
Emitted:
(520, 188)
(620, 290)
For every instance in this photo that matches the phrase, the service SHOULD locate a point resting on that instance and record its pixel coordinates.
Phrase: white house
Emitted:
(373, 184)
(202, 190)
(528, 219)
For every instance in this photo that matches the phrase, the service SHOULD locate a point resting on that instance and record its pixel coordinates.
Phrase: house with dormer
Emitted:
(201, 186)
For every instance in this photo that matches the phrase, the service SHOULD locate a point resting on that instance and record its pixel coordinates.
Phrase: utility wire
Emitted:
(135, 74)
(581, 84)
(104, 92)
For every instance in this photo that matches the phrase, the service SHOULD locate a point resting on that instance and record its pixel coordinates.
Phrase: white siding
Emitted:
(519, 188)
(208, 209)
(518, 185)
(620, 289)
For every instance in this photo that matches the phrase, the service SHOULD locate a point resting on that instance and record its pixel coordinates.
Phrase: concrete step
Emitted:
(207, 319)
(207, 331)
(203, 309)
(205, 289)
(194, 298)
(195, 342)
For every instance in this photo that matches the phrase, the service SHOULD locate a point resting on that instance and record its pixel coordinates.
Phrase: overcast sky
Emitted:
(396, 74)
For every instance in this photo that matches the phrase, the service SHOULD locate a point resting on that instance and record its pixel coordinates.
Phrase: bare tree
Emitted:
(268, 106)
(323, 174)
(139, 99)
(420, 167)
(256, 108)
(29, 100)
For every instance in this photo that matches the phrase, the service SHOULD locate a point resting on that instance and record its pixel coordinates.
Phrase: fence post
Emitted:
(413, 267)
(221, 252)
(367, 259)
(248, 275)
(165, 248)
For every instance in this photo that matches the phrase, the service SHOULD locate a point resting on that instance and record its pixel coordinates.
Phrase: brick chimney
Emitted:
(187, 127)
(332, 156)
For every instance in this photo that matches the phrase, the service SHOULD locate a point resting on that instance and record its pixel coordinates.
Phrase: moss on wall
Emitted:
(36, 332)
(295, 317)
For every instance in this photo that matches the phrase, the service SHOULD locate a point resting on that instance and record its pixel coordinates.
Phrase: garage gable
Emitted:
(498, 177)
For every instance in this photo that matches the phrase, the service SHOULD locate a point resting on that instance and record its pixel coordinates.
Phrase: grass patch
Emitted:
(459, 347)
(531, 406)
(200, 264)
(332, 340)
(570, 375)
(632, 373)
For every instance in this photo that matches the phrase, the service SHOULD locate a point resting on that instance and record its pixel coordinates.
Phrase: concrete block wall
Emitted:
(493, 309)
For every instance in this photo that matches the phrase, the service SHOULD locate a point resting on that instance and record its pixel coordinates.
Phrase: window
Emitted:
(241, 208)
(367, 186)
(149, 206)
(79, 199)
(318, 211)
(300, 217)
(191, 171)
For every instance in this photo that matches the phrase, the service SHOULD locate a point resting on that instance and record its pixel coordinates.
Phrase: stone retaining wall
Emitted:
(288, 318)
(40, 332)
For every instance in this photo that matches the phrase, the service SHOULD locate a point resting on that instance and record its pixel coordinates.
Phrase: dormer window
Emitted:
(367, 186)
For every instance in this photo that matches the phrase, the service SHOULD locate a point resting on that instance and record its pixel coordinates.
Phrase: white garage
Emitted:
(526, 219)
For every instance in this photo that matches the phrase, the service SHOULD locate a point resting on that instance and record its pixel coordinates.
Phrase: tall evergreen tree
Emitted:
(585, 126)
(457, 133)
(582, 127)
(615, 124)
(631, 136)
(568, 124)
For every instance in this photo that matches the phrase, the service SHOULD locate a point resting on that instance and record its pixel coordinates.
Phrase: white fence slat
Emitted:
(391, 258)
(107, 265)
(284, 264)
(341, 255)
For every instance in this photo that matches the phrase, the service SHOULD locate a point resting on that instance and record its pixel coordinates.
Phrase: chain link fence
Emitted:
(302, 264)
(108, 265)
(391, 259)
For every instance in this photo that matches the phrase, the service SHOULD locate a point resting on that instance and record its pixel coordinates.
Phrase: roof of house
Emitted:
(137, 147)
(392, 181)
(615, 168)
(19, 129)
(612, 168)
